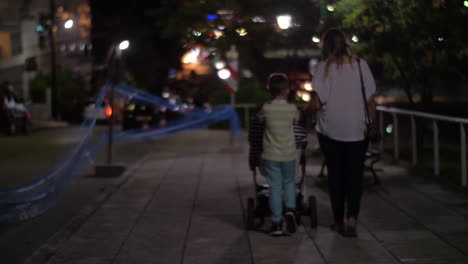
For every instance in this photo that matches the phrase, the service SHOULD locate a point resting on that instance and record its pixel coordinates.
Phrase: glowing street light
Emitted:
(330, 8)
(306, 97)
(355, 39)
(224, 74)
(315, 39)
(465, 3)
(308, 86)
(218, 33)
(220, 65)
(124, 45)
(284, 21)
(68, 24)
(191, 56)
(241, 31)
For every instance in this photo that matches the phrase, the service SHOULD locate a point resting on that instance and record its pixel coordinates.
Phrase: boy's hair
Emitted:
(278, 83)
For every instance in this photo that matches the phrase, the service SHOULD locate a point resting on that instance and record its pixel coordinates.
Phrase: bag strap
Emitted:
(364, 97)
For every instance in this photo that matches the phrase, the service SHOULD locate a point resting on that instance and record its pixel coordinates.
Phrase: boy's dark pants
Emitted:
(345, 164)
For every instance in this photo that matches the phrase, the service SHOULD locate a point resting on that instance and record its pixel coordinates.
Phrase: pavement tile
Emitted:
(185, 205)
(84, 260)
(154, 255)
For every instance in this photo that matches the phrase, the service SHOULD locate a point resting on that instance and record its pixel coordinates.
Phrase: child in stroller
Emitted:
(258, 208)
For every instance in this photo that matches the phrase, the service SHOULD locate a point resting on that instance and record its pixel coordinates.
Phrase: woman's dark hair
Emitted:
(335, 48)
(278, 83)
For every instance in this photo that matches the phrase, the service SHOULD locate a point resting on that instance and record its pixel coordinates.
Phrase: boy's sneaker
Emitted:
(276, 229)
(291, 224)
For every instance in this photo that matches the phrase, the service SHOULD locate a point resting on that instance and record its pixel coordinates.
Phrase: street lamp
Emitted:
(355, 39)
(284, 21)
(220, 65)
(68, 24)
(124, 45)
(113, 73)
(224, 74)
(115, 59)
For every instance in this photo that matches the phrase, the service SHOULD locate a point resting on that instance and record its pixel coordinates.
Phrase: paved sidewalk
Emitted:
(185, 203)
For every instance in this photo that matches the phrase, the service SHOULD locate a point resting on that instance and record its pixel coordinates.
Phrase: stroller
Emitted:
(258, 208)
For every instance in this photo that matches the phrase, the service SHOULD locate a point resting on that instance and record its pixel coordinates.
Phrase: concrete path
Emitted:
(185, 203)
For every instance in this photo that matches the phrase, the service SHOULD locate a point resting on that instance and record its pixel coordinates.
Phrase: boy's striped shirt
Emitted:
(278, 138)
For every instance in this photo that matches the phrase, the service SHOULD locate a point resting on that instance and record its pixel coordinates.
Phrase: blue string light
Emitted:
(212, 17)
(33, 199)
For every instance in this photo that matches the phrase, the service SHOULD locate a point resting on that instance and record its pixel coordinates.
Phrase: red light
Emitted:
(108, 111)
(211, 34)
(28, 116)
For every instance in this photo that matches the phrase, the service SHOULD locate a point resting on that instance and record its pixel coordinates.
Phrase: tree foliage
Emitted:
(70, 89)
(421, 44)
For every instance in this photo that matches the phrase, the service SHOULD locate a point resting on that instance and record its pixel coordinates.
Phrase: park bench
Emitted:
(372, 157)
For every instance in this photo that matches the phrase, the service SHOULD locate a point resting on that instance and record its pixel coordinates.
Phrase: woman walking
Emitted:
(341, 82)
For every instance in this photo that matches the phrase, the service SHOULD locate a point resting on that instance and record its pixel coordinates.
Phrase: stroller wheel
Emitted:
(313, 211)
(300, 208)
(250, 213)
(300, 202)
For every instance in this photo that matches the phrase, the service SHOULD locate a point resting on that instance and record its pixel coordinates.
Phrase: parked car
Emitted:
(92, 110)
(137, 116)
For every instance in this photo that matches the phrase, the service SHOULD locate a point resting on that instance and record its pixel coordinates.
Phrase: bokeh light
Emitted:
(124, 45)
(284, 21)
(220, 64)
(389, 129)
(224, 74)
(68, 24)
(241, 31)
(308, 86)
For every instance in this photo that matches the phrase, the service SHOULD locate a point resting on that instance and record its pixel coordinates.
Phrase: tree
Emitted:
(421, 44)
(71, 93)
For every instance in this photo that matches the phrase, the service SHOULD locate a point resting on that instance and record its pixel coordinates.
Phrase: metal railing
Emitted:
(246, 108)
(396, 112)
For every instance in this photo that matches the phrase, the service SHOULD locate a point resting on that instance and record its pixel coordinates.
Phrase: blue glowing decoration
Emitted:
(40, 28)
(211, 17)
(26, 201)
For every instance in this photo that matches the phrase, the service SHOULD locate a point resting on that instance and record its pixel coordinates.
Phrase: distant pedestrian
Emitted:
(341, 125)
(9, 97)
(279, 153)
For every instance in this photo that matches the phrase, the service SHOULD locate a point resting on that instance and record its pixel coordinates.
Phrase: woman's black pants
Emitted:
(345, 165)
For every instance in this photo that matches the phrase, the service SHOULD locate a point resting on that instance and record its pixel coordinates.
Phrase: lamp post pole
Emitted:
(233, 62)
(53, 60)
(113, 72)
(114, 78)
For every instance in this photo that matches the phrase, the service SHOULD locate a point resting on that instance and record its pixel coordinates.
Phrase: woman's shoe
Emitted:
(350, 231)
(350, 228)
(338, 227)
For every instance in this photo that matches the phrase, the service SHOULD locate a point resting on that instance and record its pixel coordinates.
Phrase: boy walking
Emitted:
(279, 153)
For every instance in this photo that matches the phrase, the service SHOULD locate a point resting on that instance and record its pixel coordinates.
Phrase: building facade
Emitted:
(25, 46)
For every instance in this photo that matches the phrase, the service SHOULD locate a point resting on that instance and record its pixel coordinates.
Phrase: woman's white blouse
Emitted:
(342, 115)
